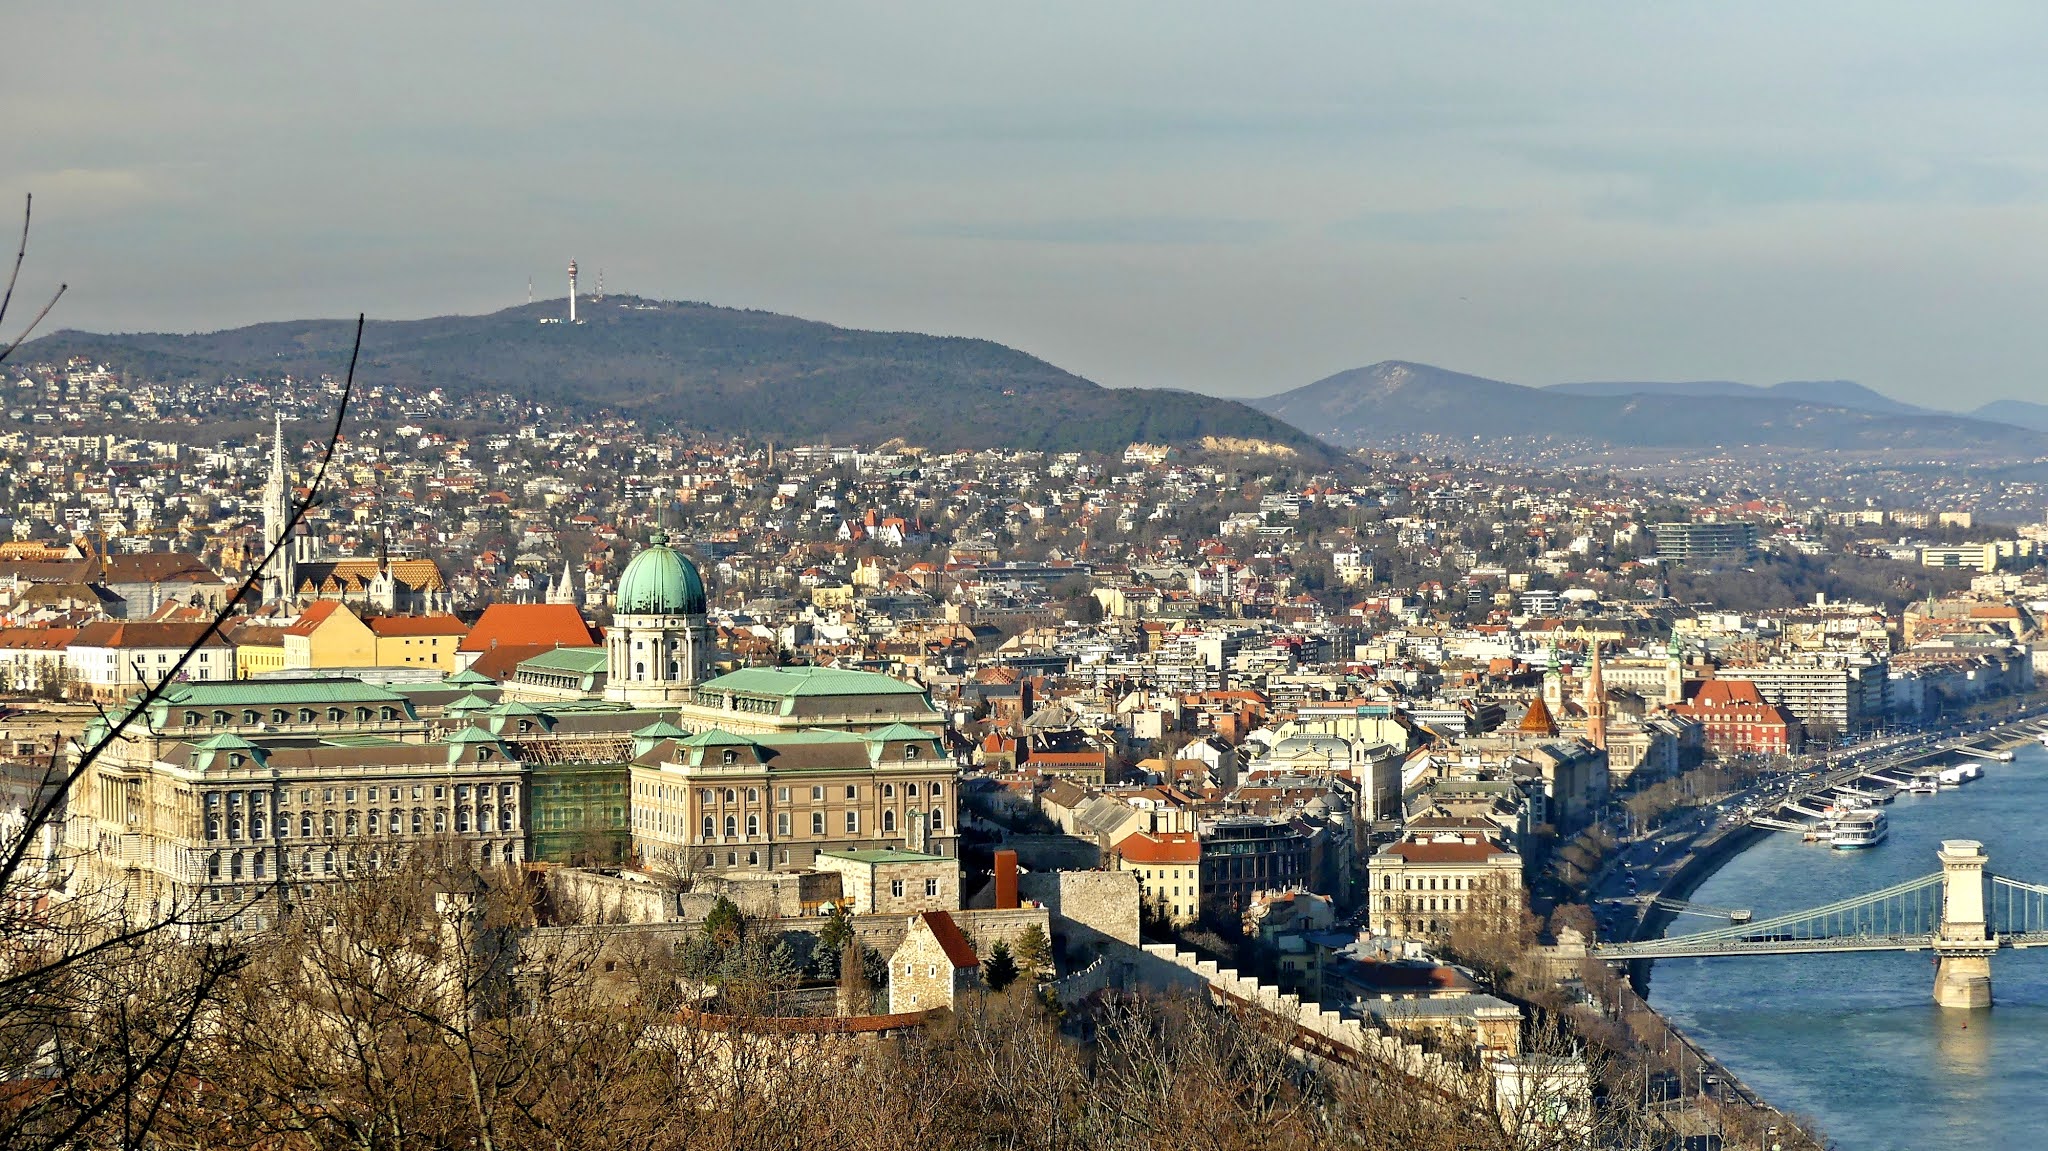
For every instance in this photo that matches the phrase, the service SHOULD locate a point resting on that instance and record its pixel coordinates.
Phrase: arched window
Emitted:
(753, 857)
(910, 789)
(936, 791)
(440, 820)
(376, 859)
(327, 824)
(350, 821)
(888, 820)
(817, 823)
(511, 852)
(327, 862)
(938, 818)
(256, 827)
(256, 865)
(639, 669)
(462, 819)
(731, 796)
(484, 855)
(234, 827)
(213, 827)
(710, 828)
(888, 791)
(417, 816)
(753, 825)
(753, 795)
(213, 866)
(732, 826)
(486, 819)
(306, 862)
(397, 821)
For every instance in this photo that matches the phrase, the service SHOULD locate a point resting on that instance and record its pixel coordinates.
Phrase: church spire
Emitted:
(278, 583)
(1596, 702)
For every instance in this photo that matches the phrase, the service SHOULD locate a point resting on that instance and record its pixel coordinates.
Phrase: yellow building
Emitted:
(1168, 865)
(418, 641)
(1449, 873)
(258, 649)
(328, 634)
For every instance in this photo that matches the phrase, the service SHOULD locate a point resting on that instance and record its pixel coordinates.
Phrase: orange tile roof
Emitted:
(544, 624)
(957, 949)
(1175, 847)
(403, 625)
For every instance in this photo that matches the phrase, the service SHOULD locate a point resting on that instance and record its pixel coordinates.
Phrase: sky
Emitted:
(1228, 198)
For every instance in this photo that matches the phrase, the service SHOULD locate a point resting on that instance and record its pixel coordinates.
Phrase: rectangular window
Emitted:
(782, 823)
(782, 794)
(931, 887)
(852, 822)
(896, 888)
(817, 795)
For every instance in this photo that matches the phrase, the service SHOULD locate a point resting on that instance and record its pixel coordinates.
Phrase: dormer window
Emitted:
(910, 751)
(335, 715)
(279, 715)
(305, 715)
(221, 717)
(729, 756)
(191, 719)
(237, 759)
(252, 717)
(388, 714)
(483, 755)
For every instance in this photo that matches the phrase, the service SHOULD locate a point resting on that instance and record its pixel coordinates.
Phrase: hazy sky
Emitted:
(1231, 198)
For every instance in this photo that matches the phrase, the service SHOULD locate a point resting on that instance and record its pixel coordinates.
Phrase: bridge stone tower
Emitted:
(1962, 977)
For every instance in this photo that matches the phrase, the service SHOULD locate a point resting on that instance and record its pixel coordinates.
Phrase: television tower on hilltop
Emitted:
(572, 291)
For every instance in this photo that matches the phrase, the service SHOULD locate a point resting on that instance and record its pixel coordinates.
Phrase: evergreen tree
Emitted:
(832, 941)
(999, 970)
(724, 925)
(1034, 950)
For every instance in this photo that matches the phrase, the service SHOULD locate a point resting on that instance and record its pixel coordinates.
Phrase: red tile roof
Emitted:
(403, 625)
(313, 617)
(1172, 847)
(543, 624)
(957, 949)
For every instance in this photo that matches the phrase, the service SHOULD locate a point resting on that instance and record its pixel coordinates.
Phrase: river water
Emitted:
(1855, 1040)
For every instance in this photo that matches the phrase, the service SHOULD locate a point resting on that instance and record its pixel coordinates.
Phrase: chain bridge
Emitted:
(1962, 913)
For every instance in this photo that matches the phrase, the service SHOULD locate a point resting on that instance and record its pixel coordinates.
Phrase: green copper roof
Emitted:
(266, 692)
(717, 737)
(470, 677)
(225, 741)
(885, 855)
(660, 581)
(568, 660)
(471, 734)
(468, 703)
(661, 729)
(516, 707)
(897, 731)
(795, 681)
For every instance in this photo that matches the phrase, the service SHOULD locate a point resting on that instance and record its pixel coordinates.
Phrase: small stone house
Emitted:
(891, 881)
(932, 966)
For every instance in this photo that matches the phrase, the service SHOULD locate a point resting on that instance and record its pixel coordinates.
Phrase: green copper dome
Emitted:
(660, 581)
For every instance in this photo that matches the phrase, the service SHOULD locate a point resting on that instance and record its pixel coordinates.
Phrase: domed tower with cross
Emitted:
(659, 646)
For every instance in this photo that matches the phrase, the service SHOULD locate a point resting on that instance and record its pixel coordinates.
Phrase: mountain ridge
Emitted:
(1383, 403)
(718, 370)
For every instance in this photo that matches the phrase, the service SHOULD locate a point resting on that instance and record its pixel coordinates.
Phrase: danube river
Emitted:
(1855, 1040)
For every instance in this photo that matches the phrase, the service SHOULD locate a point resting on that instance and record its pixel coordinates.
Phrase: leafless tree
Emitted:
(99, 1005)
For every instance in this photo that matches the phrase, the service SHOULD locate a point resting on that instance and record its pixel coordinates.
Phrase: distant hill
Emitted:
(2020, 413)
(1831, 393)
(720, 370)
(1395, 399)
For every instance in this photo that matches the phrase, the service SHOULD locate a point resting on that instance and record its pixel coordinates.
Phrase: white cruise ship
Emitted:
(1863, 829)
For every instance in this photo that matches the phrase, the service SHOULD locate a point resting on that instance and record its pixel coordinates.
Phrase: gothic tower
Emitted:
(1596, 702)
(279, 580)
